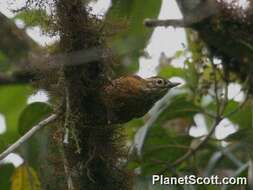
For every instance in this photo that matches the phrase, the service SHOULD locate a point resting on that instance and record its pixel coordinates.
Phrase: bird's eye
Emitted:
(159, 82)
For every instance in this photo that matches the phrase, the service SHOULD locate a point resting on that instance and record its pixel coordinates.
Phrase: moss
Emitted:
(95, 149)
(229, 37)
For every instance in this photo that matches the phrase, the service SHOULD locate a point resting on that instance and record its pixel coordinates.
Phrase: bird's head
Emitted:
(158, 86)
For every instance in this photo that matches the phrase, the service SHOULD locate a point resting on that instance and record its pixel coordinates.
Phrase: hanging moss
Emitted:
(95, 149)
(229, 36)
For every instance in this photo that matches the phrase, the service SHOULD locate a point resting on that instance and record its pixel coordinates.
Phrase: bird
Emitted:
(129, 97)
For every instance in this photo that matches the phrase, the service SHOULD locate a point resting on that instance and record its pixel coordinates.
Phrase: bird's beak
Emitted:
(173, 84)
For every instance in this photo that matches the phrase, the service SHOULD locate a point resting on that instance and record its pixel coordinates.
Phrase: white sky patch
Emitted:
(37, 35)
(40, 96)
(6, 6)
(235, 92)
(13, 158)
(201, 128)
(225, 128)
(177, 79)
(178, 62)
(2, 124)
(217, 61)
(167, 40)
(100, 7)
(19, 23)
(206, 100)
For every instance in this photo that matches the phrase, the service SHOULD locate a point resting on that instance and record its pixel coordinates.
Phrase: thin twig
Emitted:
(20, 77)
(166, 23)
(66, 141)
(225, 101)
(217, 156)
(66, 169)
(67, 117)
(203, 142)
(239, 107)
(29, 134)
(216, 89)
(192, 151)
(67, 123)
(218, 118)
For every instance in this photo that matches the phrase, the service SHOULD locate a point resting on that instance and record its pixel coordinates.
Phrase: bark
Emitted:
(94, 150)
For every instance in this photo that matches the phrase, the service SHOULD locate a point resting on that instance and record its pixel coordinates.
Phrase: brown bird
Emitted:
(131, 97)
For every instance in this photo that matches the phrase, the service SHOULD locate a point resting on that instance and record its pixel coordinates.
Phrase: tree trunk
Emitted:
(94, 148)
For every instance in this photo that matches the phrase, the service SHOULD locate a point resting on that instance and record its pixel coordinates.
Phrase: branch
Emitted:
(218, 118)
(16, 43)
(192, 151)
(221, 105)
(239, 107)
(20, 77)
(29, 134)
(166, 23)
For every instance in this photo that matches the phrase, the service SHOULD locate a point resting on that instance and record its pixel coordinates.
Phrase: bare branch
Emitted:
(218, 118)
(203, 142)
(29, 134)
(16, 43)
(192, 151)
(167, 23)
(221, 105)
(20, 77)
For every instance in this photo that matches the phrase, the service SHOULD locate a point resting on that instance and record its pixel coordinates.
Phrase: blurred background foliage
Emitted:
(157, 140)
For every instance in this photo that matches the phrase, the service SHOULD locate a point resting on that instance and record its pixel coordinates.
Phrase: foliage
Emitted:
(13, 101)
(25, 177)
(33, 17)
(158, 141)
(130, 43)
(6, 173)
(38, 111)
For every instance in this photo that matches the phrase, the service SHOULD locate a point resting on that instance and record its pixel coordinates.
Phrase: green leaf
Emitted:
(37, 146)
(179, 53)
(162, 146)
(170, 71)
(6, 171)
(242, 116)
(130, 43)
(180, 106)
(33, 17)
(26, 178)
(12, 101)
(243, 135)
(32, 115)
(36, 149)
